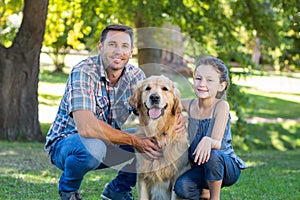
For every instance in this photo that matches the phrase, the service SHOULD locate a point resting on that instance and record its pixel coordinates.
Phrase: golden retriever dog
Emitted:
(157, 101)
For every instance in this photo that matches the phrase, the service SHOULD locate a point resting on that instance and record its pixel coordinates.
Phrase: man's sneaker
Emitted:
(109, 194)
(70, 196)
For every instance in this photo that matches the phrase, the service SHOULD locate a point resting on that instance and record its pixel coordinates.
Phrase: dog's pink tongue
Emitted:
(154, 113)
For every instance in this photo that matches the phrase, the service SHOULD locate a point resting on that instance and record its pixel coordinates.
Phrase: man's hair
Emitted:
(117, 27)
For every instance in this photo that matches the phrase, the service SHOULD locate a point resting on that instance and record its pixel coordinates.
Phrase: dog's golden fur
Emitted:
(157, 101)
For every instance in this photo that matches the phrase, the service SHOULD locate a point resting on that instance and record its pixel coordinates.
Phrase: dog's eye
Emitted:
(165, 89)
(148, 88)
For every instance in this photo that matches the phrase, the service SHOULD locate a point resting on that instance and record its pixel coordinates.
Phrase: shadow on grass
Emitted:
(20, 188)
(26, 173)
(279, 136)
(270, 175)
(37, 186)
(272, 107)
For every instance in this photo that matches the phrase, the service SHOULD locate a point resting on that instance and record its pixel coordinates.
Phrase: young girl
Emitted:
(214, 162)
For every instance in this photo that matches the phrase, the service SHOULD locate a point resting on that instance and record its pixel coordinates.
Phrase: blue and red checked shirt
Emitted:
(88, 88)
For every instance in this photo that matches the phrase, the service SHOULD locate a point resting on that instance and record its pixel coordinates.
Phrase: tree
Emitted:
(289, 17)
(19, 69)
(65, 31)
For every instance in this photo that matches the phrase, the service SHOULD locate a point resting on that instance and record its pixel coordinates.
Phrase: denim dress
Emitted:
(198, 128)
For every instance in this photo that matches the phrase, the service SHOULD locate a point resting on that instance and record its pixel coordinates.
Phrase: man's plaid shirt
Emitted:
(88, 88)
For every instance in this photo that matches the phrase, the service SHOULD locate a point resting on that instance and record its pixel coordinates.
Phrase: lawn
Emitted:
(26, 173)
(271, 149)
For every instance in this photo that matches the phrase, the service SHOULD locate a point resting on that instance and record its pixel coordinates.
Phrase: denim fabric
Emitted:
(76, 156)
(126, 177)
(219, 167)
(198, 128)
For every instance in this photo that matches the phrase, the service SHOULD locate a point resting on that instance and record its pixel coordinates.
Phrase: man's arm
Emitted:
(89, 126)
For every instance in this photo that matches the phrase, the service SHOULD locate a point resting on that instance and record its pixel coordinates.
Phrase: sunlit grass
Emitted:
(49, 100)
(47, 76)
(26, 173)
(291, 97)
(268, 136)
(273, 105)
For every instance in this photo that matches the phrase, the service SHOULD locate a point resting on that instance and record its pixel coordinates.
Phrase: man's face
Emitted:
(115, 50)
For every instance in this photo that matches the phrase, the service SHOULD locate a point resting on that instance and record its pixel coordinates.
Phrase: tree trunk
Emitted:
(19, 70)
(148, 50)
(160, 50)
(172, 56)
(256, 51)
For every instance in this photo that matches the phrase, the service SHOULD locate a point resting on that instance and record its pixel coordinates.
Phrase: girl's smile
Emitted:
(206, 82)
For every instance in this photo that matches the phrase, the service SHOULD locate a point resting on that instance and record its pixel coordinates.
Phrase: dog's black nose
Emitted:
(154, 98)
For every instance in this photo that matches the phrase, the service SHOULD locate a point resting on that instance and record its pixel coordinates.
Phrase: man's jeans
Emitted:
(76, 156)
(219, 167)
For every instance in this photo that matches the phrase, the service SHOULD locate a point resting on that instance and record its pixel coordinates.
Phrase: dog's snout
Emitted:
(155, 98)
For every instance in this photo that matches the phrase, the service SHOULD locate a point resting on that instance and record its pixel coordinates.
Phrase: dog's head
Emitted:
(156, 97)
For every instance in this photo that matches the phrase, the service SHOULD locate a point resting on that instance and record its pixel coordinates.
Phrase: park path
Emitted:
(255, 120)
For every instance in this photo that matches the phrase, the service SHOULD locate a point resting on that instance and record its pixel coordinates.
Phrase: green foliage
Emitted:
(64, 30)
(10, 20)
(64, 26)
(226, 29)
(289, 59)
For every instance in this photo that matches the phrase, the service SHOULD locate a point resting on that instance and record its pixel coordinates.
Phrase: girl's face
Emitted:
(207, 82)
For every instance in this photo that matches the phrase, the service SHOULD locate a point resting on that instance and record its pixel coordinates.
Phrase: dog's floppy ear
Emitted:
(134, 100)
(177, 105)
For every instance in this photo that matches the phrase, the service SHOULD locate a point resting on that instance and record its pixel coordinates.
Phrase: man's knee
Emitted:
(95, 147)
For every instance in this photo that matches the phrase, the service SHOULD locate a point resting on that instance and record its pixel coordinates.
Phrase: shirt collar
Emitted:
(101, 68)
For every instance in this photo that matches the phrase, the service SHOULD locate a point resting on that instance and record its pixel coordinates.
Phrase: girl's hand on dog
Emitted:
(180, 127)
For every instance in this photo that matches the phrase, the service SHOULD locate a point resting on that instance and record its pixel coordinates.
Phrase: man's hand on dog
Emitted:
(148, 147)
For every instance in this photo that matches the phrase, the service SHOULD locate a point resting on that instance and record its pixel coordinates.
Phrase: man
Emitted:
(86, 133)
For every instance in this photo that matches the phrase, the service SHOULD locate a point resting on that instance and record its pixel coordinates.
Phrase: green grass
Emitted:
(272, 104)
(49, 100)
(26, 173)
(52, 77)
(277, 136)
(271, 175)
